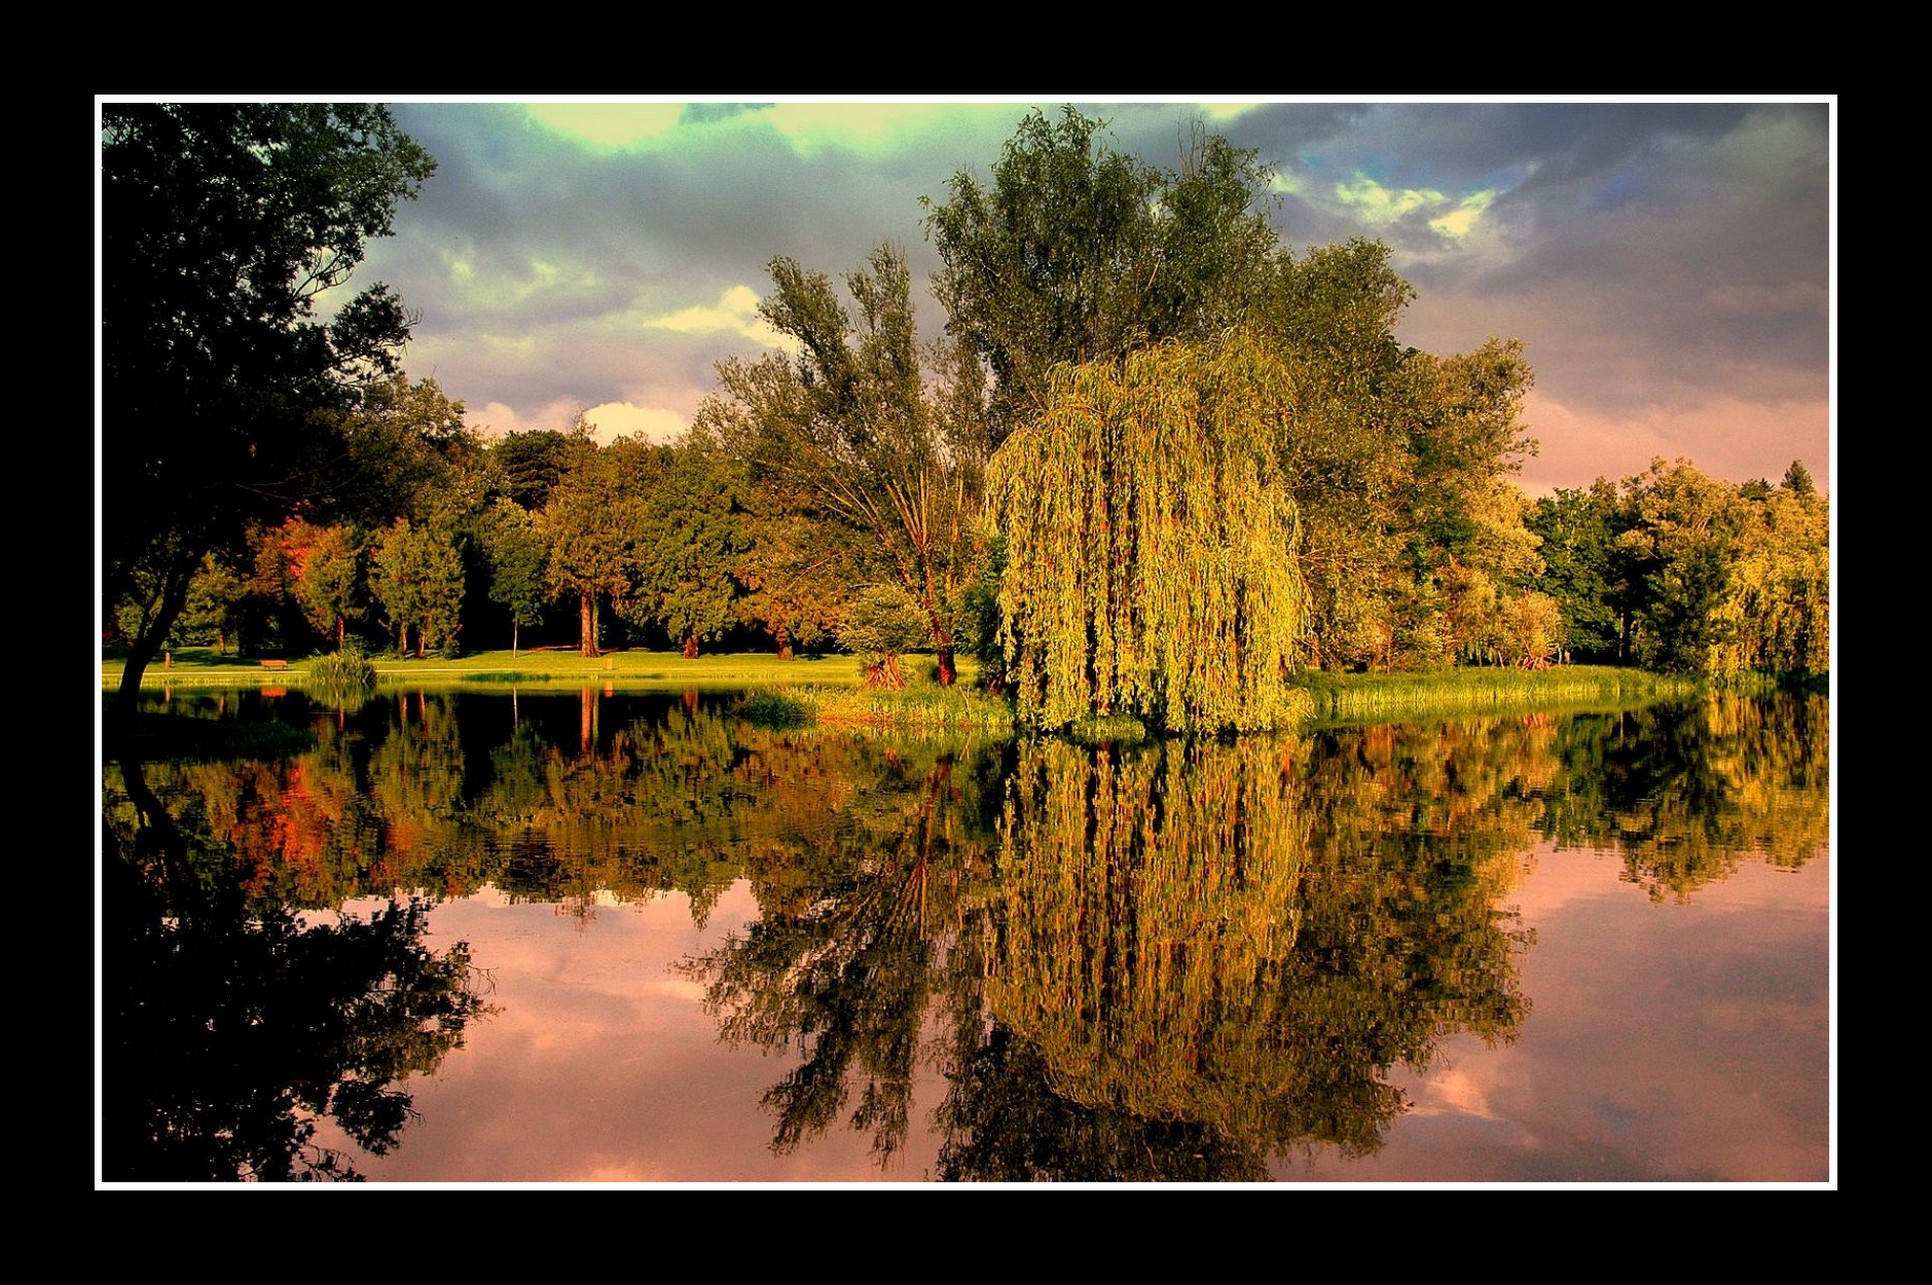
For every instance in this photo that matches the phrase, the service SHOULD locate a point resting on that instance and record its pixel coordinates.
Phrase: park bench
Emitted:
(275, 664)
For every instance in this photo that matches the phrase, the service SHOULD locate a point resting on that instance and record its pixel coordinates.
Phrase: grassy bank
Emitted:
(828, 689)
(1483, 690)
(202, 667)
(961, 707)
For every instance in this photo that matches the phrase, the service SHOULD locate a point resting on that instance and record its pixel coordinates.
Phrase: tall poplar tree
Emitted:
(866, 431)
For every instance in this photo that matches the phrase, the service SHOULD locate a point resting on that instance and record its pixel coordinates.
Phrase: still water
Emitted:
(585, 937)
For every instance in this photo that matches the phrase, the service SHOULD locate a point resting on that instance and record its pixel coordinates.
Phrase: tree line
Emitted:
(1156, 462)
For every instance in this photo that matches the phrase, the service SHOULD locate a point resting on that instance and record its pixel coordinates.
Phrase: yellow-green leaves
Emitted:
(1151, 561)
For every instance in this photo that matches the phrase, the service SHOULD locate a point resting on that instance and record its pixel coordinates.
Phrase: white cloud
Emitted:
(1224, 111)
(1377, 203)
(613, 420)
(608, 420)
(499, 419)
(545, 276)
(1288, 182)
(1374, 203)
(735, 312)
(1459, 222)
(853, 125)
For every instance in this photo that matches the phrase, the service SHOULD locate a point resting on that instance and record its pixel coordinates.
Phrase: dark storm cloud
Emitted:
(1670, 250)
(1659, 259)
(1649, 252)
(703, 215)
(1428, 144)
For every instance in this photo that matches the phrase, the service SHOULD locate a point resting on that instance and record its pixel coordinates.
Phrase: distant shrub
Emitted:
(918, 705)
(345, 672)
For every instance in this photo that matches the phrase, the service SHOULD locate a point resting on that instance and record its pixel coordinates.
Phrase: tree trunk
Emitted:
(885, 672)
(691, 647)
(942, 645)
(341, 632)
(513, 639)
(784, 642)
(143, 648)
(586, 625)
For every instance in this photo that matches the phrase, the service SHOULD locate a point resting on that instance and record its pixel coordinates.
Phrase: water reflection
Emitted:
(230, 1031)
(1686, 794)
(1191, 976)
(1179, 961)
(865, 927)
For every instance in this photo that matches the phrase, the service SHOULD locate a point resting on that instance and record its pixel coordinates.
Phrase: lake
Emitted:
(540, 936)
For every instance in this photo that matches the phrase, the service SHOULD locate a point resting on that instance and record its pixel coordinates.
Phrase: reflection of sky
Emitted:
(600, 1064)
(1665, 1042)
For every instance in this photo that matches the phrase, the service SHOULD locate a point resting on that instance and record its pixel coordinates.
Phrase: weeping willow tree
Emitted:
(1151, 547)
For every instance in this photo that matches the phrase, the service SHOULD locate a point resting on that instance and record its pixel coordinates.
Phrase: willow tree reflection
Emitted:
(229, 1030)
(1190, 976)
(1182, 961)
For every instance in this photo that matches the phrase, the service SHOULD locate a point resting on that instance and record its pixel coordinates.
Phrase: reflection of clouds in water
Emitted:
(1613, 1076)
(1456, 1090)
(601, 1064)
(1560, 877)
(678, 989)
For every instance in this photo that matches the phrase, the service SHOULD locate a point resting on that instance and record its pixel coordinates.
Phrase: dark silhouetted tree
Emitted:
(221, 385)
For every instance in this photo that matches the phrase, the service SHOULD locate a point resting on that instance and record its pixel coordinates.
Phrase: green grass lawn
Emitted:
(201, 666)
(828, 688)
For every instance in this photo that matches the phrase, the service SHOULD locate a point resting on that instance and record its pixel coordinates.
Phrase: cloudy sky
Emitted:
(1669, 264)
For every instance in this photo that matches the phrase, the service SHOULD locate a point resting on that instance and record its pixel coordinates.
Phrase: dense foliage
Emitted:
(1677, 571)
(221, 390)
(1073, 252)
(1149, 544)
(1160, 464)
